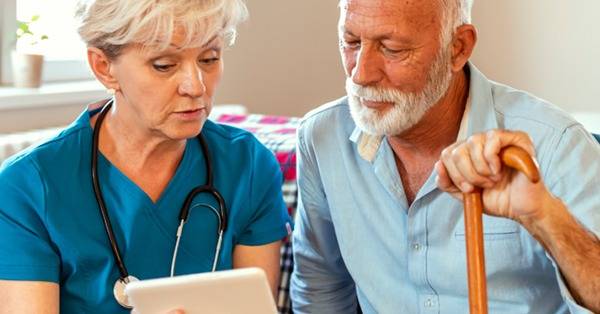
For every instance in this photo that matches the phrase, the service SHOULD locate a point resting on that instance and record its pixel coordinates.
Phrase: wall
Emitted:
(548, 47)
(286, 59)
(284, 62)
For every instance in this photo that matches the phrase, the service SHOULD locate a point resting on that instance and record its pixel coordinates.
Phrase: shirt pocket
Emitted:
(494, 229)
(503, 250)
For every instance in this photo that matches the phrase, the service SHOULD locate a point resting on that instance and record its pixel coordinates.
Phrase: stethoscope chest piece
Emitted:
(119, 291)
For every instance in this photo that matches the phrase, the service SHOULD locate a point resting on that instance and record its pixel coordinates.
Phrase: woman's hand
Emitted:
(475, 162)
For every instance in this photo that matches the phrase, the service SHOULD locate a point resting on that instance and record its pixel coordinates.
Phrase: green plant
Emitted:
(24, 32)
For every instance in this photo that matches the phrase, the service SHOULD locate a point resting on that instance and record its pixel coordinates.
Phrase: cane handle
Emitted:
(513, 157)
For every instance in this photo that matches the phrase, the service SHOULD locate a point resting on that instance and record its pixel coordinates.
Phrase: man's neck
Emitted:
(417, 149)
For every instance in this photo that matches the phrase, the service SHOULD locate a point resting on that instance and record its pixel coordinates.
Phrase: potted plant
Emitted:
(27, 60)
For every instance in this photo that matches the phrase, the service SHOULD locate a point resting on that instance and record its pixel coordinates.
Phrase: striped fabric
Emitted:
(279, 135)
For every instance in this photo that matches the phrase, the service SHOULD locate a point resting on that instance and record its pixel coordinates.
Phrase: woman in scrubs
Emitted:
(161, 61)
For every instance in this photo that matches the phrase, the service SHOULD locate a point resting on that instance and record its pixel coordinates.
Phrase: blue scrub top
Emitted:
(51, 227)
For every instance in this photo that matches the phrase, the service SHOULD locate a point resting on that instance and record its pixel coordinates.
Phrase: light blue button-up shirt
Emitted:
(357, 238)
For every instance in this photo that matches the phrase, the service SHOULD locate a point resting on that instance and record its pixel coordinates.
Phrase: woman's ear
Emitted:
(463, 44)
(101, 66)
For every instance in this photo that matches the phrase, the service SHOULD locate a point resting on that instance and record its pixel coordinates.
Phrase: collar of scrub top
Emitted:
(220, 213)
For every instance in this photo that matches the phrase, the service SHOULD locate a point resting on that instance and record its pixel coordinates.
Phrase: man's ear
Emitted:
(101, 66)
(463, 45)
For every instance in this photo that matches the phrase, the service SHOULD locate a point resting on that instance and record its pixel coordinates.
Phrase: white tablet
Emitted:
(236, 291)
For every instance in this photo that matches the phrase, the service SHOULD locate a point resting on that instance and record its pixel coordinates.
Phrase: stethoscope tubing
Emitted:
(184, 213)
(98, 194)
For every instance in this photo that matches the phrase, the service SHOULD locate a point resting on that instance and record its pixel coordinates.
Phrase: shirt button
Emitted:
(416, 246)
(428, 303)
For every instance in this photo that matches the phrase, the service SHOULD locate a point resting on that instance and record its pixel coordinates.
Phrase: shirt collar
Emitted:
(367, 144)
(464, 122)
(482, 115)
(479, 116)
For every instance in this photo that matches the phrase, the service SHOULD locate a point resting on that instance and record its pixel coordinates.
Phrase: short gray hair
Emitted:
(113, 24)
(454, 14)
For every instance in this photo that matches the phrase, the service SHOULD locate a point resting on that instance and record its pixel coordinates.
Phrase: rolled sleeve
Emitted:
(574, 307)
(574, 177)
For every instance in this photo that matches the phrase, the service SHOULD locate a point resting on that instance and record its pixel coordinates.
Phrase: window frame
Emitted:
(54, 70)
(7, 26)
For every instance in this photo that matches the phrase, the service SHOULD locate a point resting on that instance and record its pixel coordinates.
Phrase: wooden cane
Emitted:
(513, 157)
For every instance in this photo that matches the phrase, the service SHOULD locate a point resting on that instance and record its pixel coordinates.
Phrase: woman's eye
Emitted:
(162, 67)
(209, 61)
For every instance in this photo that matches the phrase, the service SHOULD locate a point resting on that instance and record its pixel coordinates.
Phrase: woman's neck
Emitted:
(145, 157)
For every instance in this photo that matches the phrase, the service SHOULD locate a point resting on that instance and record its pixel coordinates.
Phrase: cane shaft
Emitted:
(513, 157)
(475, 253)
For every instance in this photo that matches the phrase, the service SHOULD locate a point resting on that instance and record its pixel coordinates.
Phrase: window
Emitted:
(64, 52)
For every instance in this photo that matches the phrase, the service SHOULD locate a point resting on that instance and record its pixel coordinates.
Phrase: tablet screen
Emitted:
(236, 291)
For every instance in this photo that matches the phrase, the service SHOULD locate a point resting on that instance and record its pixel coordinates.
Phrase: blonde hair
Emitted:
(110, 25)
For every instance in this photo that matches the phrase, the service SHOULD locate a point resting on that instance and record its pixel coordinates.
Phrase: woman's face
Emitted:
(168, 93)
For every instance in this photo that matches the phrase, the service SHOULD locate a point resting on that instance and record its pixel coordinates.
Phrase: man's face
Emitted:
(397, 68)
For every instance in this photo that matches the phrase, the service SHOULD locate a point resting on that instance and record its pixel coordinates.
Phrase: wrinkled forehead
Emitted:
(393, 15)
(179, 44)
(196, 38)
(182, 38)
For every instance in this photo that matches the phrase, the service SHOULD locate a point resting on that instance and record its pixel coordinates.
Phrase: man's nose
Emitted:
(368, 68)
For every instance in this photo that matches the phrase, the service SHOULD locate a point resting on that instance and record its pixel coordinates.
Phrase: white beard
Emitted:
(408, 108)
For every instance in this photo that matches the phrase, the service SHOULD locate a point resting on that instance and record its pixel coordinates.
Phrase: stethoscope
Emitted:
(221, 213)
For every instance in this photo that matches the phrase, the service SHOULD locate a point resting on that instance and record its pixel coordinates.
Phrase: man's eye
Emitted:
(388, 50)
(349, 44)
(395, 52)
(162, 67)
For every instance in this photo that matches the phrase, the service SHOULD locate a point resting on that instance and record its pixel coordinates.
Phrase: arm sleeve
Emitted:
(270, 221)
(26, 251)
(320, 281)
(574, 177)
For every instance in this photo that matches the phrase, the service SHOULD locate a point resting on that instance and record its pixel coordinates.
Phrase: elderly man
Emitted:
(377, 220)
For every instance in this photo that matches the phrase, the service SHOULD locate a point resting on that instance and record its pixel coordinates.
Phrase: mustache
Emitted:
(372, 93)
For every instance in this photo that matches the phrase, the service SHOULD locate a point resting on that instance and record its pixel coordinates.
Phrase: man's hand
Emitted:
(505, 192)
(508, 193)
